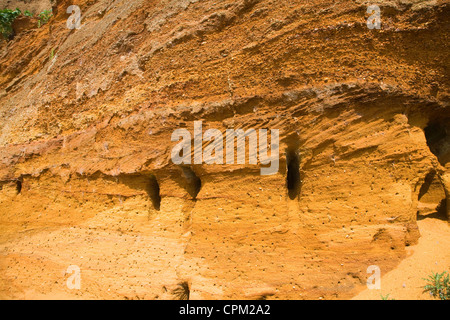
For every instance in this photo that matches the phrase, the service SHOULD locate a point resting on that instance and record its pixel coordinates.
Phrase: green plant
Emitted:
(43, 17)
(7, 16)
(182, 291)
(438, 285)
(386, 297)
(27, 13)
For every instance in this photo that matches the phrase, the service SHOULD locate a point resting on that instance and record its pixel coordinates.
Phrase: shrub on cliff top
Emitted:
(7, 16)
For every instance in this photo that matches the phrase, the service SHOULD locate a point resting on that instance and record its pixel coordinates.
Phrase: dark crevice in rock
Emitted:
(293, 181)
(194, 184)
(432, 198)
(153, 192)
(427, 183)
(441, 209)
(437, 134)
(440, 212)
(19, 183)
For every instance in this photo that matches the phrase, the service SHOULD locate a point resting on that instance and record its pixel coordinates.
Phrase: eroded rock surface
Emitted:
(87, 115)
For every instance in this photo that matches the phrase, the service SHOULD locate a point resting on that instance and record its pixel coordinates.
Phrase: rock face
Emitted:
(87, 115)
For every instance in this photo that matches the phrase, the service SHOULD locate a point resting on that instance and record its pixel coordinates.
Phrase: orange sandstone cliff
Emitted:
(86, 118)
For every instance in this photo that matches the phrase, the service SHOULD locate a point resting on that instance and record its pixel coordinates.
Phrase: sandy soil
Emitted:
(431, 254)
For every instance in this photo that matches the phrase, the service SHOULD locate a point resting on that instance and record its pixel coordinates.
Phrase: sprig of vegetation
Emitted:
(438, 285)
(386, 297)
(44, 16)
(7, 16)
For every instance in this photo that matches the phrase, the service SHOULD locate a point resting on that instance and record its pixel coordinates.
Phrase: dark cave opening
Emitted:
(439, 213)
(194, 184)
(153, 192)
(293, 181)
(19, 186)
(432, 199)
(427, 183)
(437, 134)
(441, 209)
